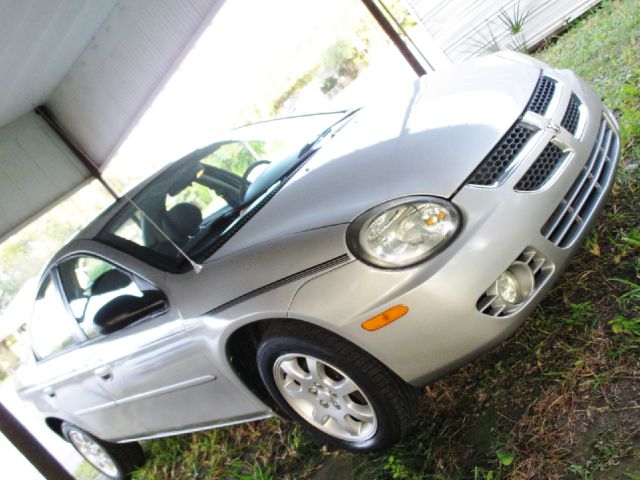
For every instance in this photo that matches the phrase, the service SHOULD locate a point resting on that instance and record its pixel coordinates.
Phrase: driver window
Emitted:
(89, 283)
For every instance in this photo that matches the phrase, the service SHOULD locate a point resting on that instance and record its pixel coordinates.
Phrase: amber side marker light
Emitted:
(385, 318)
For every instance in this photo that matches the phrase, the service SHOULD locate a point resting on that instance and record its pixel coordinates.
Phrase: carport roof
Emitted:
(39, 43)
(95, 65)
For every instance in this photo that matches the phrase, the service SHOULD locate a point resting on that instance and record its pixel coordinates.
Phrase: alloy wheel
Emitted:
(325, 396)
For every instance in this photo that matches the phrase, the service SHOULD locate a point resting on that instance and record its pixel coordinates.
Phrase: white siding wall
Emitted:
(461, 27)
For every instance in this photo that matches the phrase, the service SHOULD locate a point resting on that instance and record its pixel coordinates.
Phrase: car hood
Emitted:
(424, 138)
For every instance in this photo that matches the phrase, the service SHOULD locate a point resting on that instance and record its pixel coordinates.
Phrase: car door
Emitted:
(151, 367)
(56, 342)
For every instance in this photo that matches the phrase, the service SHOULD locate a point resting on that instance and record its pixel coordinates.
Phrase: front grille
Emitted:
(572, 115)
(542, 95)
(542, 169)
(496, 163)
(570, 217)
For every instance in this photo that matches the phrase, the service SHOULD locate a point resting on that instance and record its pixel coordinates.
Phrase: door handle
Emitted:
(104, 373)
(50, 392)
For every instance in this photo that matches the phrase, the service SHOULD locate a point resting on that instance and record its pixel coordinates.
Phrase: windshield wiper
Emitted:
(331, 130)
(222, 224)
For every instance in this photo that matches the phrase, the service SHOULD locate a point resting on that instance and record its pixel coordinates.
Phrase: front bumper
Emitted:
(451, 317)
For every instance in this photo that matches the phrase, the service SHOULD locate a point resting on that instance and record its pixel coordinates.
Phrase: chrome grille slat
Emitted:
(498, 311)
(537, 265)
(485, 303)
(566, 203)
(569, 218)
(583, 196)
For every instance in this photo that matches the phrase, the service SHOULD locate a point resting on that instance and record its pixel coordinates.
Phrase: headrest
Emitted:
(182, 221)
(110, 281)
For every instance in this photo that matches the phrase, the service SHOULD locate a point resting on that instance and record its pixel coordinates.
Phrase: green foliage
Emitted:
(328, 84)
(514, 21)
(629, 102)
(24, 254)
(631, 295)
(85, 472)
(579, 471)
(625, 325)
(342, 57)
(604, 49)
(232, 157)
(505, 457)
(196, 193)
(257, 474)
(293, 89)
(399, 470)
(604, 453)
(581, 314)
(92, 268)
(482, 474)
(399, 11)
(484, 41)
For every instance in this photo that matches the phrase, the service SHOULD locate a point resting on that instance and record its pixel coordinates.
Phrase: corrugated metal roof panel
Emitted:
(39, 41)
(120, 72)
(36, 170)
(104, 61)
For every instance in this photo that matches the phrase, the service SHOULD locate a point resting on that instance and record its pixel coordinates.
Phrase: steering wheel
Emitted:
(245, 183)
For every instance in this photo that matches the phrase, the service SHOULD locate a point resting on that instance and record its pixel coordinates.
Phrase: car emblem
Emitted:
(553, 126)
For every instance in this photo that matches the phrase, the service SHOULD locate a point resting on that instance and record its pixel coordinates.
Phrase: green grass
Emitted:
(558, 400)
(86, 472)
(604, 49)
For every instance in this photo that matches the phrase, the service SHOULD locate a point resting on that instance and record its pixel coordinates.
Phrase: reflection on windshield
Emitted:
(195, 200)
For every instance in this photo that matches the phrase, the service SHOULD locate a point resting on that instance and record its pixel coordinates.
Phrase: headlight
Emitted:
(403, 232)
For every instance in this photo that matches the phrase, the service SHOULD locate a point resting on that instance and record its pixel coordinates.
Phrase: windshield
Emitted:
(195, 200)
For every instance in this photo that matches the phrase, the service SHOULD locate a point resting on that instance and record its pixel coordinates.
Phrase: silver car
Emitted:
(321, 267)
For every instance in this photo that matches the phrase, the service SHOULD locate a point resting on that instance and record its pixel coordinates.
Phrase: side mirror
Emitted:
(126, 309)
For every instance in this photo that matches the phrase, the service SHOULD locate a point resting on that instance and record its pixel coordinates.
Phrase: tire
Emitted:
(114, 460)
(336, 390)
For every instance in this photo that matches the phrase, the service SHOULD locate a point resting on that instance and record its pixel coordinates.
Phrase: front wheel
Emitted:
(114, 460)
(339, 392)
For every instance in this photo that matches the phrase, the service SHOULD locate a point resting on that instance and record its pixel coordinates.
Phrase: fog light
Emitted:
(508, 288)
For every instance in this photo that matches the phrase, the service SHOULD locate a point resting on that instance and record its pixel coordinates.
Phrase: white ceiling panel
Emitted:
(130, 58)
(39, 41)
(96, 65)
(36, 171)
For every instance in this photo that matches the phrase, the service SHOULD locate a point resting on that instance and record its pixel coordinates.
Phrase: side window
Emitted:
(51, 329)
(90, 284)
(131, 229)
